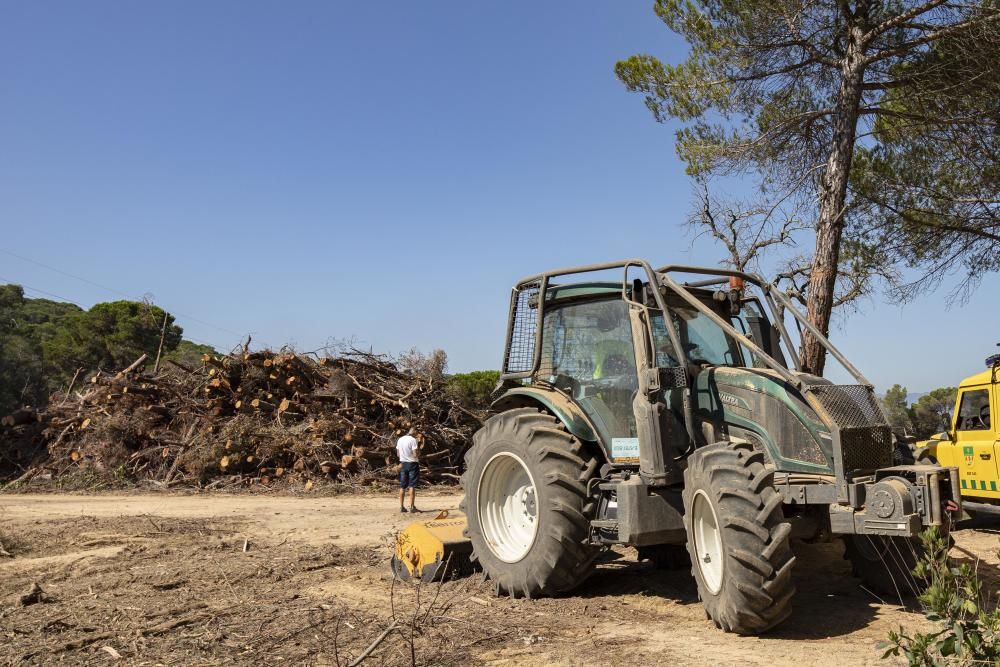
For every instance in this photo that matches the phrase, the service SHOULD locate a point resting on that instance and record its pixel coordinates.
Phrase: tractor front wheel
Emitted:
(885, 564)
(526, 502)
(738, 538)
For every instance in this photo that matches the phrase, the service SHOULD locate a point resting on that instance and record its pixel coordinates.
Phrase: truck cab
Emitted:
(972, 443)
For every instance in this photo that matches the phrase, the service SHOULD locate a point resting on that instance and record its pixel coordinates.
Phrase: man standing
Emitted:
(409, 469)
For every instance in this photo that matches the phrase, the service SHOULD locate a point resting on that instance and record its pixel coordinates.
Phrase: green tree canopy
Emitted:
(931, 184)
(110, 336)
(474, 389)
(25, 326)
(189, 354)
(787, 90)
(896, 408)
(43, 342)
(932, 412)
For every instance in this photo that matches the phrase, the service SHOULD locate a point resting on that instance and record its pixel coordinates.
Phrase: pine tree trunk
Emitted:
(833, 196)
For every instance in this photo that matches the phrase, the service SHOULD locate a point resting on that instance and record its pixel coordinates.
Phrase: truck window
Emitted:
(974, 411)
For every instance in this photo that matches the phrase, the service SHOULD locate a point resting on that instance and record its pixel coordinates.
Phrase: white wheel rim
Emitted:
(708, 542)
(508, 507)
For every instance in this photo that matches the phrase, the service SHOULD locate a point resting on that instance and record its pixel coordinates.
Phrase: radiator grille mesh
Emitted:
(866, 448)
(865, 436)
(850, 405)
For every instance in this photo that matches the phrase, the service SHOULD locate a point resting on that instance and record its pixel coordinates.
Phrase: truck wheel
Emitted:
(737, 538)
(922, 456)
(526, 501)
(903, 454)
(885, 564)
(906, 454)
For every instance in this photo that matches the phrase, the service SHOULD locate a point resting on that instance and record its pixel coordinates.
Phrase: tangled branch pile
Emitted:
(250, 417)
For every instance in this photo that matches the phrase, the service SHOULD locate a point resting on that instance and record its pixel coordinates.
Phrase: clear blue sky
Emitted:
(376, 170)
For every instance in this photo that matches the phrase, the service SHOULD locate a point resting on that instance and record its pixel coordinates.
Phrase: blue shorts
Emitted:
(409, 474)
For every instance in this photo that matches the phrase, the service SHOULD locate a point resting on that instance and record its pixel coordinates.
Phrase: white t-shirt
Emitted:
(406, 447)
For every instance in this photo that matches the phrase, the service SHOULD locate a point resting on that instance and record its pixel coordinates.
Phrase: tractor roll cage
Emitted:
(860, 414)
(659, 277)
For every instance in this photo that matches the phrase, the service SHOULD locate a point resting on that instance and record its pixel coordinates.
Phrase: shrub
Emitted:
(969, 632)
(474, 389)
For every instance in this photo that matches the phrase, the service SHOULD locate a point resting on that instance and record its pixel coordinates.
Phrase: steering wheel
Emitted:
(604, 383)
(984, 416)
(614, 383)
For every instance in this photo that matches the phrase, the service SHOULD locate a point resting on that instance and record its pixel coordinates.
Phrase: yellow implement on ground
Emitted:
(427, 550)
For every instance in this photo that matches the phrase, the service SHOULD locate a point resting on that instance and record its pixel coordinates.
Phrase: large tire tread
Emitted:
(885, 564)
(757, 587)
(560, 559)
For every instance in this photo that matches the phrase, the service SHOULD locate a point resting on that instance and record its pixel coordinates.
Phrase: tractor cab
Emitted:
(651, 393)
(588, 353)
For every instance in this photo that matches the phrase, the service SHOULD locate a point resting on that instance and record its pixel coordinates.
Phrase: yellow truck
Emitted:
(972, 443)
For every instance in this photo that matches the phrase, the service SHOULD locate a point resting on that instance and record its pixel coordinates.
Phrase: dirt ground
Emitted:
(229, 579)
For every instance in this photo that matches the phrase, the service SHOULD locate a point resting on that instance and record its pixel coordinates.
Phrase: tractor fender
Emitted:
(560, 405)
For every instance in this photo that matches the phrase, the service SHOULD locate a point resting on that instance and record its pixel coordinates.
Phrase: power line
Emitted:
(82, 307)
(35, 289)
(68, 275)
(114, 291)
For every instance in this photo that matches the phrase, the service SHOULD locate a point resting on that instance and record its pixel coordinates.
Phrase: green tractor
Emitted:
(665, 415)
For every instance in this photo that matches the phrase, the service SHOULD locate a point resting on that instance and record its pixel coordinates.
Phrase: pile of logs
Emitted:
(249, 417)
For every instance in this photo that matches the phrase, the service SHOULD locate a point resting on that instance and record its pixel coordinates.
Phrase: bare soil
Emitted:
(230, 579)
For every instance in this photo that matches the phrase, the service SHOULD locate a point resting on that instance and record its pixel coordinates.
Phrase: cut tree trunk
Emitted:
(20, 417)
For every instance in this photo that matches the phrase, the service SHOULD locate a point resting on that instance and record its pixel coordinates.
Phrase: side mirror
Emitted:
(943, 437)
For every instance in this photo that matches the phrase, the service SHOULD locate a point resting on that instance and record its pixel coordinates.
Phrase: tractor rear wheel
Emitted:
(526, 503)
(738, 538)
(885, 564)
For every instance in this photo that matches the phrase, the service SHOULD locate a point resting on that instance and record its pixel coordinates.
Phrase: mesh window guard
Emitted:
(521, 346)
